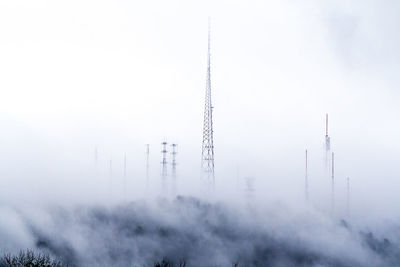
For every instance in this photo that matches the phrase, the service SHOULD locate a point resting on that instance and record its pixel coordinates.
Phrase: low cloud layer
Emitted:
(201, 233)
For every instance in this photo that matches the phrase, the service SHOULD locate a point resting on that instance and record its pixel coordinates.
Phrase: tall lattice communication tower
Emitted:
(207, 155)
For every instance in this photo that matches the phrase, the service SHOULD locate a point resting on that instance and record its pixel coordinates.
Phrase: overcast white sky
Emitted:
(120, 74)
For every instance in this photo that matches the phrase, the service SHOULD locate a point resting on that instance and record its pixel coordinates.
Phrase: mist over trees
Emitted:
(188, 231)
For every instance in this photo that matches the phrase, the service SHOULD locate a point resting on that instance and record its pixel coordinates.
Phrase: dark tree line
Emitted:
(29, 258)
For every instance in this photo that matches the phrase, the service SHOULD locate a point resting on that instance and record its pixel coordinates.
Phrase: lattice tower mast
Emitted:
(207, 155)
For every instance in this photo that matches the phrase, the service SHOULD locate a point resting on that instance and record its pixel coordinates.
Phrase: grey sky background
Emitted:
(119, 74)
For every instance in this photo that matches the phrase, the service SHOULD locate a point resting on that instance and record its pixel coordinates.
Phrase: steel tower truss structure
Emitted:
(207, 155)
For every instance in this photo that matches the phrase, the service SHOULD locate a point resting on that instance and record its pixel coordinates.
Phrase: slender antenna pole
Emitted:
(326, 126)
(306, 177)
(237, 177)
(333, 182)
(96, 156)
(125, 177)
(147, 165)
(111, 178)
(174, 153)
(348, 198)
(164, 167)
(327, 144)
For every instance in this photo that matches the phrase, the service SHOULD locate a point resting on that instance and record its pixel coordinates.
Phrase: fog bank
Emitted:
(201, 233)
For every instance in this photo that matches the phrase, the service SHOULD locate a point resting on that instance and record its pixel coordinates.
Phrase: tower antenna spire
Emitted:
(326, 126)
(306, 177)
(207, 155)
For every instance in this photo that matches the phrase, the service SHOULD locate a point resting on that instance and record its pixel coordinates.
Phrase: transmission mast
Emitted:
(207, 155)
(111, 177)
(96, 156)
(173, 153)
(306, 177)
(125, 177)
(164, 166)
(333, 183)
(348, 198)
(327, 144)
(147, 165)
